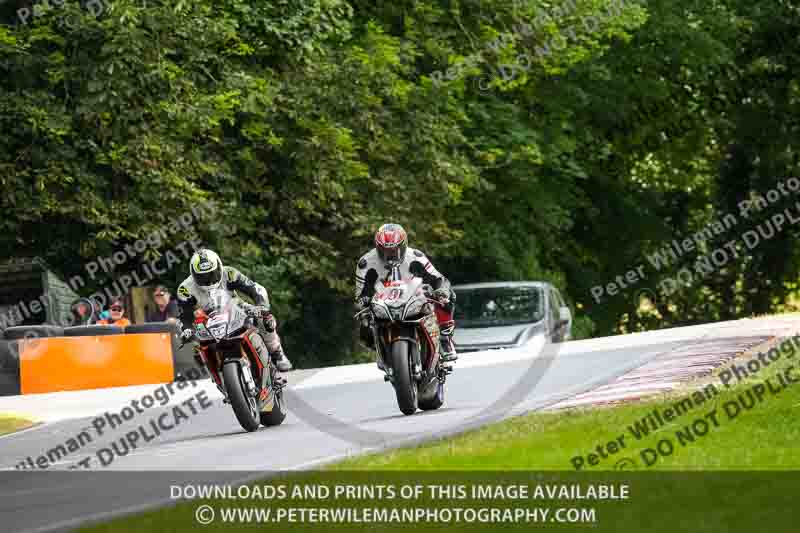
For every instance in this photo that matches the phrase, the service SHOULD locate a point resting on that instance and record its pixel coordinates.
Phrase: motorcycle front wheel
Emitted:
(244, 407)
(404, 385)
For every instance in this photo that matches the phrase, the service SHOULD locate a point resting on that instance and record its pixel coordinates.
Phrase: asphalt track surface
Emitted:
(333, 414)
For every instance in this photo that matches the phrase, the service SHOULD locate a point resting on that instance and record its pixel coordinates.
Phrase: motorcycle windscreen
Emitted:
(219, 306)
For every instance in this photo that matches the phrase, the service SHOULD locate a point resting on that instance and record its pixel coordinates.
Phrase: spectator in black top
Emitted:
(166, 310)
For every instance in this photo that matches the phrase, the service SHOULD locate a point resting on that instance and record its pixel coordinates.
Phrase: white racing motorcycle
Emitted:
(406, 334)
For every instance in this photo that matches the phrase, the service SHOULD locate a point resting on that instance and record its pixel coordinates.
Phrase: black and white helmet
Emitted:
(206, 269)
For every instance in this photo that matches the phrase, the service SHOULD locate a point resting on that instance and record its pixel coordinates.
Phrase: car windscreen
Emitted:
(498, 306)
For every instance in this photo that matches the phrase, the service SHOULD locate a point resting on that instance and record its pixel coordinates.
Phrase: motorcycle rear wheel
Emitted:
(244, 410)
(404, 385)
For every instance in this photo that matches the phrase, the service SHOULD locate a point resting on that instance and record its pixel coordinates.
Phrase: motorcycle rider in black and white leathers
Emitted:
(391, 244)
(208, 273)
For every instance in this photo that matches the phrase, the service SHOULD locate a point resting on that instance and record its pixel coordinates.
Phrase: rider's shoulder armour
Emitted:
(185, 289)
(231, 274)
(370, 260)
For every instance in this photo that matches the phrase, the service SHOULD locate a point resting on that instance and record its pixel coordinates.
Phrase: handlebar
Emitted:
(365, 310)
(254, 310)
(368, 310)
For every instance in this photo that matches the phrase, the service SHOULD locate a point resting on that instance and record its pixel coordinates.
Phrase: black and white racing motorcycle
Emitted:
(406, 333)
(232, 349)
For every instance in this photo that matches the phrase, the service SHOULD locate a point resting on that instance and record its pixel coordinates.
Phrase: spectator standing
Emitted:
(166, 310)
(117, 315)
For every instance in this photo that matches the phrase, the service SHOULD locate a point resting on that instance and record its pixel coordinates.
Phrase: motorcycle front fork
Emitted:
(252, 390)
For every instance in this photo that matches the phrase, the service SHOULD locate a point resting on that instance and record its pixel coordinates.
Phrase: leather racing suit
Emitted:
(371, 268)
(191, 296)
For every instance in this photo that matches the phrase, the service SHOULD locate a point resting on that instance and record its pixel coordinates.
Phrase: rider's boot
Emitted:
(275, 349)
(448, 347)
(280, 360)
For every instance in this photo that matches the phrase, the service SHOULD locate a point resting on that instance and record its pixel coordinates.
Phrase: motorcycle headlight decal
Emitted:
(202, 332)
(218, 331)
(413, 307)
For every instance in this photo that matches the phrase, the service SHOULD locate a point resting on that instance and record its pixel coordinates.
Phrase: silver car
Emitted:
(509, 314)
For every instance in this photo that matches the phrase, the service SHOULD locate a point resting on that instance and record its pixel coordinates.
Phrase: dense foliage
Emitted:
(567, 142)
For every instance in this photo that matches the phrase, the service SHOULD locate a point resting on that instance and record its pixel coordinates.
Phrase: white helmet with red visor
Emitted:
(391, 242)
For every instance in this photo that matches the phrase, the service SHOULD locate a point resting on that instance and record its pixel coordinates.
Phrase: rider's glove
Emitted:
(363, 301)
(269, 322)
(186, 335)
(263, 313)
(256, 310)
(443, 295)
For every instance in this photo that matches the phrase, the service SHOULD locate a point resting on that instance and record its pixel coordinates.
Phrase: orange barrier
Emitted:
(77, 363)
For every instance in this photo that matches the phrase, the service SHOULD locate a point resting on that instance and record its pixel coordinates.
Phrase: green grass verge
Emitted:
(10, 424)
(764, 437)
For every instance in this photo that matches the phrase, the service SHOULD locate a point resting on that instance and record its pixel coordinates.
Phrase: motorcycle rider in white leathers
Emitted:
(206, 274)
(391, 244)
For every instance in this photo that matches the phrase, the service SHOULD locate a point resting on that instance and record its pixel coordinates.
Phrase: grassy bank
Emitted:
(705, 438)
